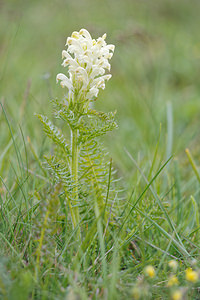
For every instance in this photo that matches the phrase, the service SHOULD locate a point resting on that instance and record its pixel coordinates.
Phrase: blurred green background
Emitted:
(156, 61)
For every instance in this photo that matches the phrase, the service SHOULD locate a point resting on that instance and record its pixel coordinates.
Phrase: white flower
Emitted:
(93, 92)
(87, 62)
(64, 81)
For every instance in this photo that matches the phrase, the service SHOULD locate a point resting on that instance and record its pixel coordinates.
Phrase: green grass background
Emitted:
(155, 89)
(157, 59)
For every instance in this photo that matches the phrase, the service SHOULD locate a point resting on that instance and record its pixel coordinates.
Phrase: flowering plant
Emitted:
(80, 165)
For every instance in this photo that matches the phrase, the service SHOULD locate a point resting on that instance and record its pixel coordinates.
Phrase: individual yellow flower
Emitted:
(136, 293)
(191, 275)
(150, 271)
(173, 265)
(173, 280)
(177, 295)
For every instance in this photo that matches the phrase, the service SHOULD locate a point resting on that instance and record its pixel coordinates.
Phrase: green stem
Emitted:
(39, 248)
(193, 164)
(74, 170)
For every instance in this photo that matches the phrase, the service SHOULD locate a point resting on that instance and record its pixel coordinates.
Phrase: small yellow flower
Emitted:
(177, 295)
(191, 275)
(150, 271)
(173, 280)
(173, 265)
(136, 293)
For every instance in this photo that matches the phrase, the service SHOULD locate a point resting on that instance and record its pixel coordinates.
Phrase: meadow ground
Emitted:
(155, 90)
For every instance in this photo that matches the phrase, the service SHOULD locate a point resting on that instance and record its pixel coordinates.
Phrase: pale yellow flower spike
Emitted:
(87, 60)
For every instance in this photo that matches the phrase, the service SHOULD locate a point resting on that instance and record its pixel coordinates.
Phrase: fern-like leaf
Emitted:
(54, 133)
(97, 125)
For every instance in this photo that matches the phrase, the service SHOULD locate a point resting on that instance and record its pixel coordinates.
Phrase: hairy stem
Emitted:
(74, 171)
